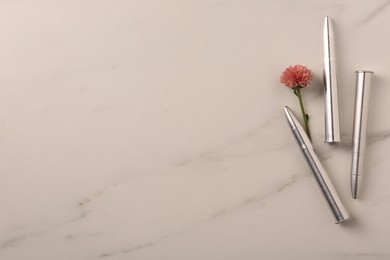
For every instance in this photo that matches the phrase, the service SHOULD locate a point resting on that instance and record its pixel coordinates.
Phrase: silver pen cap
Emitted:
(324, 184)
(363, 86)
(332, 121)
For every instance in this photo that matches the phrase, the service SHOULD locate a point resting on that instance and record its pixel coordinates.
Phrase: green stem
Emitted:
(297, 92)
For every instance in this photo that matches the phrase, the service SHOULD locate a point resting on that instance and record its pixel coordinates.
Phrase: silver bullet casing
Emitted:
(363, 87)
(326, 187)
(332, 121)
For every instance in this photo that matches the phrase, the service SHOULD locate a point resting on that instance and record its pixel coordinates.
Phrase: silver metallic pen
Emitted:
(321, 177)
(332, 121)
(363, 86)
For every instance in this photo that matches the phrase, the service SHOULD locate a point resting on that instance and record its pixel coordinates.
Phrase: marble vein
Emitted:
(365, 255)
(245, 203)
(378, 137)
(16, 240)
(261, 197)
(131, 249)
(83, 212)
(378, 10)
(243, 146)
(372, 139)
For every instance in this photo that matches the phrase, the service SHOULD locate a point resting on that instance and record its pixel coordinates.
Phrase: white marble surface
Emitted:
(134, 129)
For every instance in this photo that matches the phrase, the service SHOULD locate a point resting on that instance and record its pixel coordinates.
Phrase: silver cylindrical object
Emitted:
(363, 86)
(324, 184)
(332, 121)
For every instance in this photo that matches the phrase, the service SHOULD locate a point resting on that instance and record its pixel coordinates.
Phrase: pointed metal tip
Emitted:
(354, 186)
(354, 192)
(287, 111)
(327, 26)
(326, 19)
(289, 117)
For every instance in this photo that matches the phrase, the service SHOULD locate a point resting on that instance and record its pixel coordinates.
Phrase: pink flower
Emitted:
(297, 76)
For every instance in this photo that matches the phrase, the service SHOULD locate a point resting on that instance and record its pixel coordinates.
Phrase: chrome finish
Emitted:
(332, 121)
(321, 177)
(363, 86)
